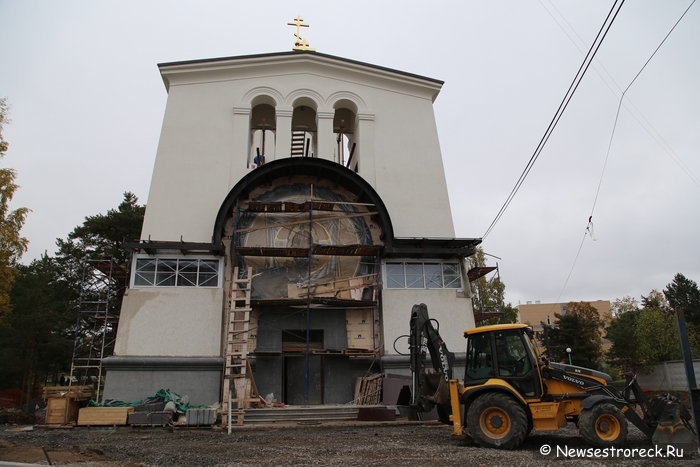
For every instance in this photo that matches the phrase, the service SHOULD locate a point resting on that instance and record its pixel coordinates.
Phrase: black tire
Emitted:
(497, 420)
(603, 425)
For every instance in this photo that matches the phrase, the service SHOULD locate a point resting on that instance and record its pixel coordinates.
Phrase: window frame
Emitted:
(410, 281)
(174, 277)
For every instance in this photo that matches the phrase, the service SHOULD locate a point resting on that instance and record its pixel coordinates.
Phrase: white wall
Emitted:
(200, 157)
(183, 321)
(448, 306)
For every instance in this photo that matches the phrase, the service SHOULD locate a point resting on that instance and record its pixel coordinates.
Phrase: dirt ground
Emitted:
(349, 444)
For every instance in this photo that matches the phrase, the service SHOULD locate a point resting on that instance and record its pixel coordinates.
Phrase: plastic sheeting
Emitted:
(162, 395)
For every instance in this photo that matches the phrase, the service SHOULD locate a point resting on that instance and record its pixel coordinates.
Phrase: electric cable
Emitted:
(602, 33)
(646, 124)
(617, 115)
(589, 227)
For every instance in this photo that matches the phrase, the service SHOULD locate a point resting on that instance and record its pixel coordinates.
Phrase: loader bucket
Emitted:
(674, 428)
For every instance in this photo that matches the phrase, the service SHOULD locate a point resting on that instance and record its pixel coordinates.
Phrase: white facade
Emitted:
(204, 144)
(210, 135)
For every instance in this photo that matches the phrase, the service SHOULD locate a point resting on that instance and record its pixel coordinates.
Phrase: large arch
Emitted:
(320, 168)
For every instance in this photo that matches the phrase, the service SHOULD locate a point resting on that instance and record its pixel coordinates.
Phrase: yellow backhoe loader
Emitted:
(509, 390)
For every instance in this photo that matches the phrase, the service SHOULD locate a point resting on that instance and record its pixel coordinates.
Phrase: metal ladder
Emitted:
(238, 379)
(299, 144)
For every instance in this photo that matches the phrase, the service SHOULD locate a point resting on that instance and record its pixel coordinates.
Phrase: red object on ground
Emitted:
(10, 398)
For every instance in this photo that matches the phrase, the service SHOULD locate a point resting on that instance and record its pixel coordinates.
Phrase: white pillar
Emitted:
(364, 151)
(325, 144)
(240, 145)
(283, 137)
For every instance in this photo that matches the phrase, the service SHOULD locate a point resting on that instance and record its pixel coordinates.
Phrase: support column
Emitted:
(283, 137)
(325, 144)
(364, 152)
(240, 146)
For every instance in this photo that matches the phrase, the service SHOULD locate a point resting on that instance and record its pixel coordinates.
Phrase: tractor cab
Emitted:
(505, 352)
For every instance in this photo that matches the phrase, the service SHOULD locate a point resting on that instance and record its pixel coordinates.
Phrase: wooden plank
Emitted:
(80, 393)
(61, 411)
(103, 416)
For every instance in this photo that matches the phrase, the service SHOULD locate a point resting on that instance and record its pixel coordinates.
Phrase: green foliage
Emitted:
(580, 330)
(684, 294)
(36, 336)
(39, 334)
(657, 336)
(648, 336)
(625, 345)
(623, 305)
(488, 294)
(12, 244)
(102, 235)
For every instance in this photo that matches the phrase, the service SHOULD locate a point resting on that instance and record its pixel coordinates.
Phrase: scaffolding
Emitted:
(102, 285)
(483, 312)
(303, 255)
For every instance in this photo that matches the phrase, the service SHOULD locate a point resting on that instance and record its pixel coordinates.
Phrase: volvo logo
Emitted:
(574, 380)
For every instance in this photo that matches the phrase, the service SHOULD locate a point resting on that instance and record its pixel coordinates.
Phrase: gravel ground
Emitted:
(351, 444)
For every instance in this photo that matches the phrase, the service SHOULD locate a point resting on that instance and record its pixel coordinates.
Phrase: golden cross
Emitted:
(300, 44)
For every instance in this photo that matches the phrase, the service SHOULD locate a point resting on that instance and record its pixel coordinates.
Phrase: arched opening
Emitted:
(312, 232)
(263, 126)
(304, 128)
(344, 122)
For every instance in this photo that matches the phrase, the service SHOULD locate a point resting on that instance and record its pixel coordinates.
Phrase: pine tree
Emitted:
(12, 244)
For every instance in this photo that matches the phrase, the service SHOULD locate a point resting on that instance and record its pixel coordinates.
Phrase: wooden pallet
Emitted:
(79, 393)
(103, 416)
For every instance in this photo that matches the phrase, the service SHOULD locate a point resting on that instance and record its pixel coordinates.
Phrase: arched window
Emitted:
(304, 129)
(344, 123)
(262, 135)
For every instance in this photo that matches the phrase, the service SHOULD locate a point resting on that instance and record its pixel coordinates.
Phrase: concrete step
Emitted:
(299, 414)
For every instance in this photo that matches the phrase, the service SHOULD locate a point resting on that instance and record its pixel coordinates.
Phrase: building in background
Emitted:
(536, 313)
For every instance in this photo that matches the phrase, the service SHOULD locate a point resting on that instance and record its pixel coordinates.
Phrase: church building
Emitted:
(317, 181)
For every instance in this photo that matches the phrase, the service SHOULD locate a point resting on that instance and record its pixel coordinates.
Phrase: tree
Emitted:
(100, 237)
(657, 337)
(619, 306)
(683, 293)
(580, 330)
(488, 294)
(36, 336)
(622, 334)
(12, 244)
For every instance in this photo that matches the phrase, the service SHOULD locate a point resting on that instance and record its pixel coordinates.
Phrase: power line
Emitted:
(562, 107)
(617, 115)
(589, 227)
(646, 124)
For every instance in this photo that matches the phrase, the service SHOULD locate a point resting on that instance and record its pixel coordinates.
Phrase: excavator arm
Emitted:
(429, 388)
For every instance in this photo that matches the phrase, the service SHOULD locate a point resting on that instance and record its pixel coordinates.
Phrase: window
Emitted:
(479, 357)
(423, 276)
(172, 272)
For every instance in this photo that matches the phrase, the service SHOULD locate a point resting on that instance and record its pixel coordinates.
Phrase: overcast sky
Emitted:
(88, 102)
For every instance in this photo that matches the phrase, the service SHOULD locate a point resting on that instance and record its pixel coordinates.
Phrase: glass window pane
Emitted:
(187, 274)
(208, 273)
(433, 275)
(414, 276)
(394, 276)
(479, 357)
(165, 275)
(451, 276)
(145, 272)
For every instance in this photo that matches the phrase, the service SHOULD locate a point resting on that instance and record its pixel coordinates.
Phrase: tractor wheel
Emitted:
(496, 420)
(603, 425)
